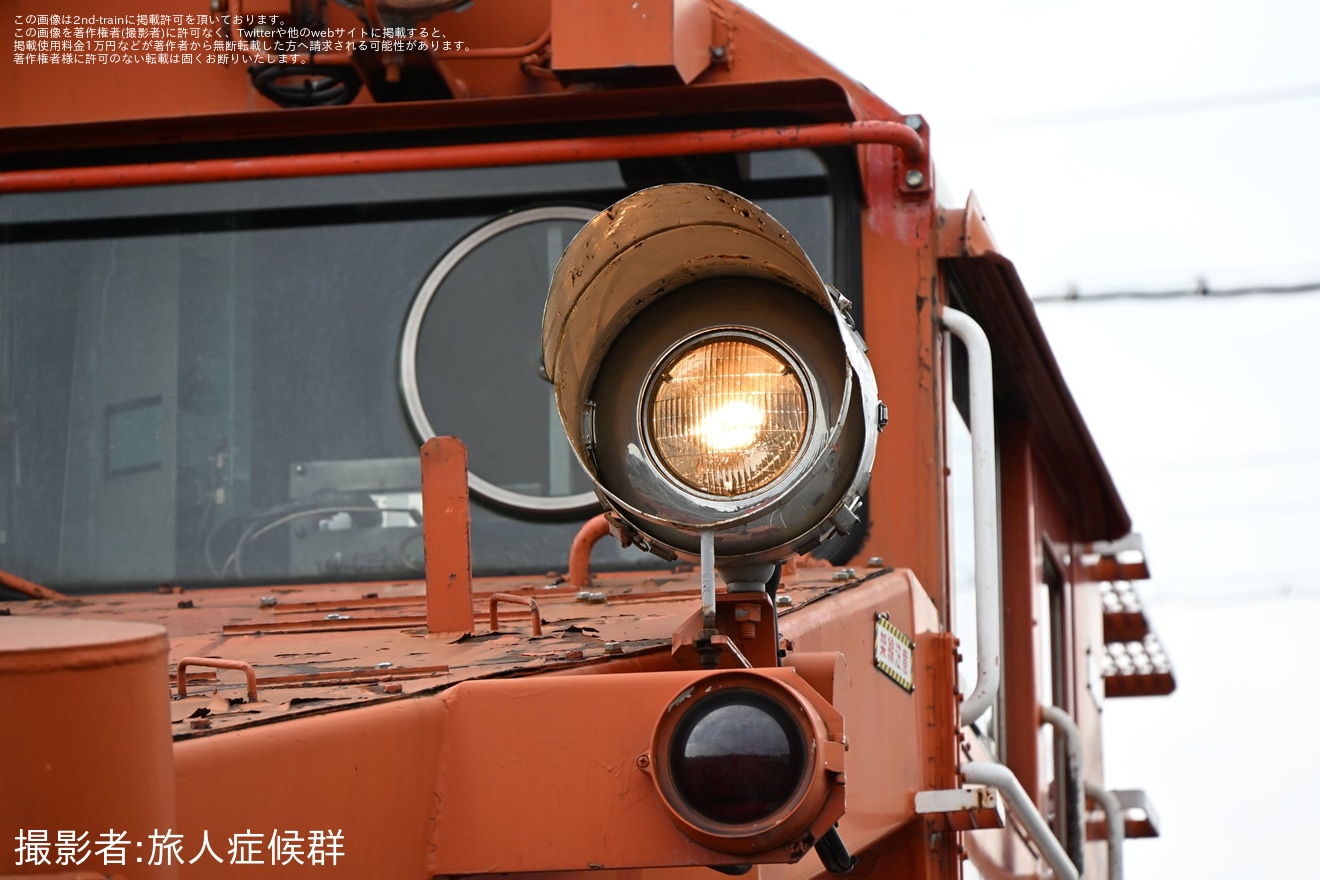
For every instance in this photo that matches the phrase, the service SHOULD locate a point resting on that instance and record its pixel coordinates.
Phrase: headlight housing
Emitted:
(708, 377)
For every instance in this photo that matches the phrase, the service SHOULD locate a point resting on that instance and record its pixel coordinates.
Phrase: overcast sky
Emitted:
(1148, 146)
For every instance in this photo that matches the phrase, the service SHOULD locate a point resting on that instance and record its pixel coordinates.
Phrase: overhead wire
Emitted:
(1276, 591)
(1201, 291)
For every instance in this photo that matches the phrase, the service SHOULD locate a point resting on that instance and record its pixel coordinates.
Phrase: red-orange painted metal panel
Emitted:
(586, 797)
(446, 529)
(1023, 617)
(86, 749)
(659, 40)
(908, 495)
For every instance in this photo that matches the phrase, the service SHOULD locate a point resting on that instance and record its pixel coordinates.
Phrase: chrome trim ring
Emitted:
(538, 505)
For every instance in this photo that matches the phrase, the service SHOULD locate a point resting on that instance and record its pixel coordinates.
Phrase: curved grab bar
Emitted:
(1108, 802)
(999, 777)
(985, 513)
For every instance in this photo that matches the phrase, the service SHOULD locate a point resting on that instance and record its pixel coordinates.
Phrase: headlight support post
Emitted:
(707, 648)
(743, 634)
(733, 620)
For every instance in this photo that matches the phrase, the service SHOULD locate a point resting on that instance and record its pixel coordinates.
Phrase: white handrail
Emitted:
(985, 513)
(1072, 739)
(999, 777)
(1108, 802)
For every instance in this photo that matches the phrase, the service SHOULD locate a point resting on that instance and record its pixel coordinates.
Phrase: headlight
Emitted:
(727, 413)
(708, 378)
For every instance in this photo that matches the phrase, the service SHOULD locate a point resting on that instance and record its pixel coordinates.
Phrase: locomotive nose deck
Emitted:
(323, 648)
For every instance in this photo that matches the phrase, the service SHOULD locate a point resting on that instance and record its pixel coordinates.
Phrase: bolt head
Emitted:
(913, 122)
(783, 600)
(613, 648)
(876, 562)
(915, 178)
(269, 601)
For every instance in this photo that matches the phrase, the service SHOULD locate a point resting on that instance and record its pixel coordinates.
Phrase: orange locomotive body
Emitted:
(255, 255)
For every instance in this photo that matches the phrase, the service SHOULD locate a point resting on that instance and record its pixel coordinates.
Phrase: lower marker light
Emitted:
(738, 757)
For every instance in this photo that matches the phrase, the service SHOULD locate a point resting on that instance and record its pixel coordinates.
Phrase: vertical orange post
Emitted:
(446, 531)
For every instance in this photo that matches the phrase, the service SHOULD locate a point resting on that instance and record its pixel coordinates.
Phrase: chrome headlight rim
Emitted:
(518, 503)
(650, 507)
(722, 513)
(813, 439)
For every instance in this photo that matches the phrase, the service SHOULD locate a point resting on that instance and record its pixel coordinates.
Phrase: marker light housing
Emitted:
(708, 378)
(744, 763)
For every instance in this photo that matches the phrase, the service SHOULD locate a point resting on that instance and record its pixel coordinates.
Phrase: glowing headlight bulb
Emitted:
(727, 416)
(735, 425)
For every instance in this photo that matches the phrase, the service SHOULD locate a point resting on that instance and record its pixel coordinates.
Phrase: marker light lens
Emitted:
(727, 417)
(738, 757)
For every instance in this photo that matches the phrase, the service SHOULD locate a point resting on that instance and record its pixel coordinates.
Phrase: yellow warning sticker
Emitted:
(893, 652)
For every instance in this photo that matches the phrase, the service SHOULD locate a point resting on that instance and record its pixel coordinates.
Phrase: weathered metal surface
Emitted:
(311, 666)
(534, 611)
(181, 678)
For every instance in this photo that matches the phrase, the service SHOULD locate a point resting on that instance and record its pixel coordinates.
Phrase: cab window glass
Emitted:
(202, 383)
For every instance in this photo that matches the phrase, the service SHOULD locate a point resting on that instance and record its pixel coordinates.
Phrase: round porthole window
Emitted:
(470, 363)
